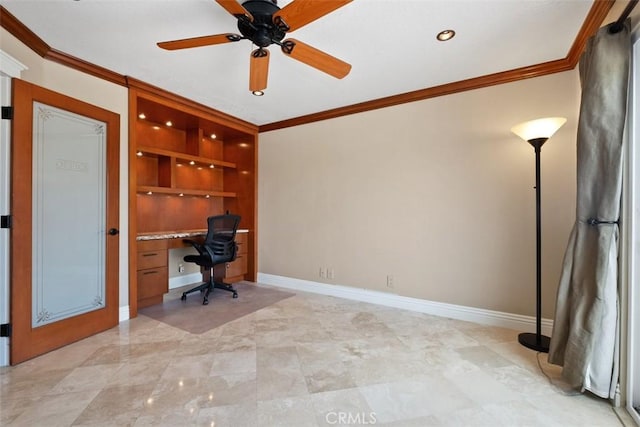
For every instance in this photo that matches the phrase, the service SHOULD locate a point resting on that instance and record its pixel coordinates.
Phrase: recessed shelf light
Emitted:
(207, 196)
(156, 127)
(168, 123)
(142, 116)
(214, 136)
(181, 194)
(211, 166)
(149, 192)
(139, 154)
(199, 168)
(192, 162)
(445, 35)
(179, 164)
(243, 145)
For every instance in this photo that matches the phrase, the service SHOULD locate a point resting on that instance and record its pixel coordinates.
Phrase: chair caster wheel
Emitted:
(235, 295)
(183, 297)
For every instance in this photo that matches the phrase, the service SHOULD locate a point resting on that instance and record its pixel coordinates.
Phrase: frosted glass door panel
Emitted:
(69, 194)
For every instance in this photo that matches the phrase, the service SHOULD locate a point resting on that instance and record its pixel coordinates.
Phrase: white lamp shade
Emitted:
(540, 128)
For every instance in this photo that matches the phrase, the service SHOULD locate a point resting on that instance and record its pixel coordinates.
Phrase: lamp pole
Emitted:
(536, 133)
(537, 341)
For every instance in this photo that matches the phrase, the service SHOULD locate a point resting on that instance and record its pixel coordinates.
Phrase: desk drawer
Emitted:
(151, 245)
(237, 267)
(152, 282)
(150, 259)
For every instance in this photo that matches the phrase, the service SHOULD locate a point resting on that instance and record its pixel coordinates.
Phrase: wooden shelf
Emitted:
(214, 174)
(185, 157)
(185, 192)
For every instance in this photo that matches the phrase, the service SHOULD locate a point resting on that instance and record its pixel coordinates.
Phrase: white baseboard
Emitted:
(123, 313)
(471, 314)
(187, 279)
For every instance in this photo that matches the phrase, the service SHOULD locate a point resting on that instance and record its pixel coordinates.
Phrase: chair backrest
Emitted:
(221, 235)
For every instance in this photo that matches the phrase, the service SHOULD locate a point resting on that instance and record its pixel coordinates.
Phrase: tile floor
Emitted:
(309, 360)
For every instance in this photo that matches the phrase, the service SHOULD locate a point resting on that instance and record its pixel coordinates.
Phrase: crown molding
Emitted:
(35, 43)
(594, 19)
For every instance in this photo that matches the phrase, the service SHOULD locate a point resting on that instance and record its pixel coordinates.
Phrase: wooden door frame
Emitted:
(54, 335)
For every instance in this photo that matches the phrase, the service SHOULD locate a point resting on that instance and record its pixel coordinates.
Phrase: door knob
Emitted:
(113, 231)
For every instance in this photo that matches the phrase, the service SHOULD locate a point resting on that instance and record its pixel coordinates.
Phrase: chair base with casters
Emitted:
(208, 287)
(219, 247)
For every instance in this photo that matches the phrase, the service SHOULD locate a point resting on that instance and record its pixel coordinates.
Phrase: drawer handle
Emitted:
(150, 272)
(154, 254)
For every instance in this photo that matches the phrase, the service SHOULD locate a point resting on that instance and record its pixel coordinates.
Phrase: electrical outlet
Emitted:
(323, 272)
(389, 281)
(330, 273)
(180, 268)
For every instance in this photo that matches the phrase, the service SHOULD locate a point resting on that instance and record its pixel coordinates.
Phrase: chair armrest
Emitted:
(199, 247)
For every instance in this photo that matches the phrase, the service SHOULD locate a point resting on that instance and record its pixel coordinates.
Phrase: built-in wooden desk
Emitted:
(152, 259)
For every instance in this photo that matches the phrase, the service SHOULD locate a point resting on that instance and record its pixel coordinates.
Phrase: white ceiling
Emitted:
(390, 44)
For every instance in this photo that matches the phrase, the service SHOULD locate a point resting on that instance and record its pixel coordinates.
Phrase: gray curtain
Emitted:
(586, 325)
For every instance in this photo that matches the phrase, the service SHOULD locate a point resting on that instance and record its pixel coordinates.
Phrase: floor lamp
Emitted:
(536, 133)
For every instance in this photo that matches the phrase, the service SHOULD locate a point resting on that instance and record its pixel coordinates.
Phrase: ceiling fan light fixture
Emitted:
(445, 35)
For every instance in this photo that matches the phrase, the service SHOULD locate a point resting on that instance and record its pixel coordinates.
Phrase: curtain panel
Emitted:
(586, 325)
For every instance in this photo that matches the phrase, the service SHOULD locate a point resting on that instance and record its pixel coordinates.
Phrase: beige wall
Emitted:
(437, 193)
(95, 91)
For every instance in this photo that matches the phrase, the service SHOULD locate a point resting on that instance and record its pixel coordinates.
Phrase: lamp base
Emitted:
(534, 342)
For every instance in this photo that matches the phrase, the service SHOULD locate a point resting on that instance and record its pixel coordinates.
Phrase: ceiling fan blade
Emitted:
(315, 58)
(199, 41)
(259, 70)
(300, 12)
(235, 8)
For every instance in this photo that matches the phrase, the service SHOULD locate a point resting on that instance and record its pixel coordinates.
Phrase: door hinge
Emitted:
(7, 112)
(5, 330)
(5, 221)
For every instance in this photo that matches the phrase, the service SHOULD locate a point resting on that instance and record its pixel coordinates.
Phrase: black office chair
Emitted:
(218, 247)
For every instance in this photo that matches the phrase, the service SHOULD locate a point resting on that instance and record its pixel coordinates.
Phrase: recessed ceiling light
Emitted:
(445, 35)
(258, 92)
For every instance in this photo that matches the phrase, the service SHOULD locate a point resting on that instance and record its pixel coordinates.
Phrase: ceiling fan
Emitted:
(264, 23)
